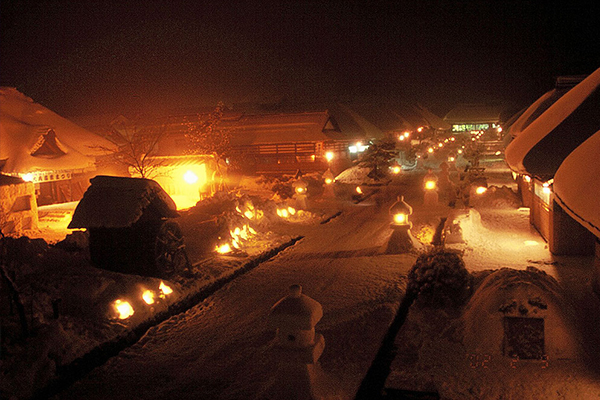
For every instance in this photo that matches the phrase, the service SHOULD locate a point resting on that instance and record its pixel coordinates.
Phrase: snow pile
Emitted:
(458, 353)
(357, 175)
(524, 294)
(496, 197)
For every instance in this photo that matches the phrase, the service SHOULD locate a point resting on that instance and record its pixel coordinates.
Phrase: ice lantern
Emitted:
(295, 317)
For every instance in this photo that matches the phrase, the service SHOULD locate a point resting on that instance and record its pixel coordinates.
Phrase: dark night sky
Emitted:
(84, 57)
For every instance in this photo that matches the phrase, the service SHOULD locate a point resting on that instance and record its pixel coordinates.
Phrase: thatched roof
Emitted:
(34, 138)
(116, 202)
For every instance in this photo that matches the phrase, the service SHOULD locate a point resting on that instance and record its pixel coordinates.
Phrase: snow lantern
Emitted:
(401, 240)
(400, 211)
(328, 177)
(300, 189)
(328, 185)
(431, 196)
(521, 315)
(295, 317)
(299, 376)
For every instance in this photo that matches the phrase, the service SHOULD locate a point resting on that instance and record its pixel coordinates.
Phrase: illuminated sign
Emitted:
(46, 176)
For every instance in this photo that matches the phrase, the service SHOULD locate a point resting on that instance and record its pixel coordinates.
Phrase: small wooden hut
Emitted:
(130, 226)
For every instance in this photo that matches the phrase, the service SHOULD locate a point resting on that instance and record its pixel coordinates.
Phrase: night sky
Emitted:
(84, 57)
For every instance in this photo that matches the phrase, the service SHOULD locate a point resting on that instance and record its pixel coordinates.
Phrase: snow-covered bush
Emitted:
(439, 279)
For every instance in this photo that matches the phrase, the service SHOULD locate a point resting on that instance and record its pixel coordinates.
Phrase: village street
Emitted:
(221, 349)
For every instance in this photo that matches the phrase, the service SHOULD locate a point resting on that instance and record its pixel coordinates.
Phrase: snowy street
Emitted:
(221, 349)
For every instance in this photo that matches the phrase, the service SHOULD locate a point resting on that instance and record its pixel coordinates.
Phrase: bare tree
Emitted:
(135, 147)
(208, 136)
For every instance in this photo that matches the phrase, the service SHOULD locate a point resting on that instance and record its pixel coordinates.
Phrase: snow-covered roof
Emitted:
(25, 126)
(526, 117)
(117, 202)
(542, 146)
(284, 128)
(577, 184)
(473, 114)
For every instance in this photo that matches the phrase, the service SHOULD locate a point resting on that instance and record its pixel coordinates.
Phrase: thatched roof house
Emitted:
(116, 202)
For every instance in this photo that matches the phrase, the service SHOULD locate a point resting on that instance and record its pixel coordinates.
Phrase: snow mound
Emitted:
(497, 197)
(507, 295)
(357, 175)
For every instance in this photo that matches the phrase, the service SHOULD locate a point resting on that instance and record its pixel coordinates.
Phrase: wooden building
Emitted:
(42, 147)
(538, 152)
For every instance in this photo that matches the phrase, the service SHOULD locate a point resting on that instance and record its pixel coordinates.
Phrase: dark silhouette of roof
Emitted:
(118, 202)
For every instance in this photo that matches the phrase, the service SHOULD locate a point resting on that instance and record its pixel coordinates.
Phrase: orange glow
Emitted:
(164, 289)
(460, 151)
(190, 177)
(430, 185)
(300, 190)
(401, 137)
(396, 169)
(283, 213)
(546, 190)
(123, 309)
(400, 218)
(527, 178)
(148, 296)
(291, 210)
(223, 249)
(359, 190)
(28, 177)
(451, 159)
(406, 134)
(440, 145)
(328, 181)
(249, 214)
(480, 190)
(420, 129)
(329, 155)
(430, 150)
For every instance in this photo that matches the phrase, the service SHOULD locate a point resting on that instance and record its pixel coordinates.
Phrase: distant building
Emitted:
(466, 118)
(287, 142)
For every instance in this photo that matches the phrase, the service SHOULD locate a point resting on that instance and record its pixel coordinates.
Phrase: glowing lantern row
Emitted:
(124, 309)
(286, 212)
(237, 236)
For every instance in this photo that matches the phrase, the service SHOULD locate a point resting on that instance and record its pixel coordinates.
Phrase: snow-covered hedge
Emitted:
(439, 279)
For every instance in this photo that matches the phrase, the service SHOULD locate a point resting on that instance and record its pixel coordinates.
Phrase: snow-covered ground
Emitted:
(223, 348)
